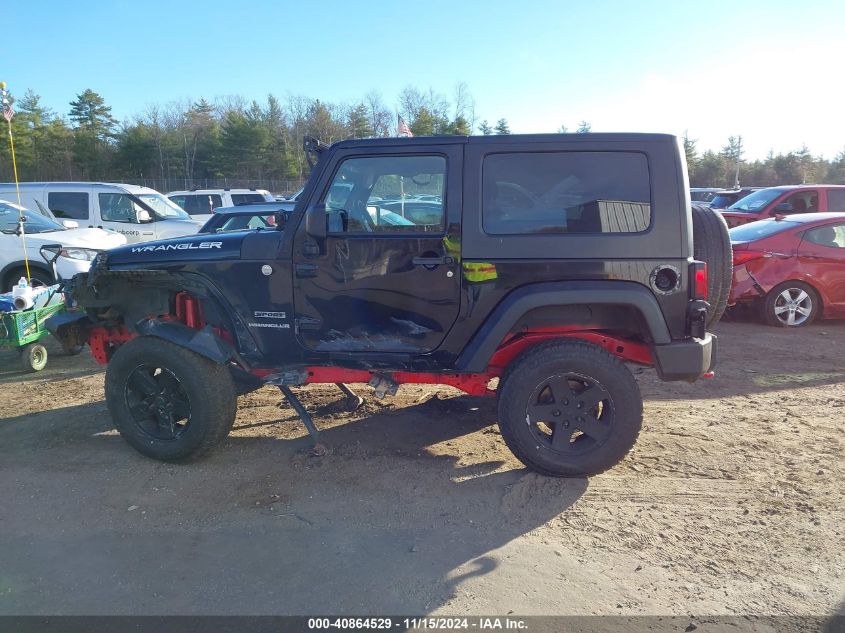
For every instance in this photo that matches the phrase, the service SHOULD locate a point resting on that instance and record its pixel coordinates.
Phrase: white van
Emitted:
(199, 202)
(139, 213)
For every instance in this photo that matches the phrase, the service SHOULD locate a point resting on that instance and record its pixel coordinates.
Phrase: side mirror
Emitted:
(783, 207)
(144, 216)
(70, 224)
(315, 221)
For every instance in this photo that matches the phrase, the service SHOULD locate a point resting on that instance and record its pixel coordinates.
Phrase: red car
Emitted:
(772, 201)
(792, 268)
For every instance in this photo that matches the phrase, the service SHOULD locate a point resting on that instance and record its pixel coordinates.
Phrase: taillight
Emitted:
(740, 257)
(698, 274)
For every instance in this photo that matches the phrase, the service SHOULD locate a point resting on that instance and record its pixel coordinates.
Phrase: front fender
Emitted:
(203, 342)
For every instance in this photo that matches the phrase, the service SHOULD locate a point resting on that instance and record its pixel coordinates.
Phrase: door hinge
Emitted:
(305, 270)
(306, 323)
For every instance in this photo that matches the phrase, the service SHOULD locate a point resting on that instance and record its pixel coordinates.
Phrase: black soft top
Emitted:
(516, 139)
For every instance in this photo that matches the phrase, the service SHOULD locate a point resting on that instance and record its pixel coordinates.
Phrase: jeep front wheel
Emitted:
(168, 402)
(569, 409)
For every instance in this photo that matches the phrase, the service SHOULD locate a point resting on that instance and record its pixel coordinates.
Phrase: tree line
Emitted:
(235, 142)
(728, 167)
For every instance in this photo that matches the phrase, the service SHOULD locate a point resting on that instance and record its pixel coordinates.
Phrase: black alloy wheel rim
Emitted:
(570, 414)
(157, 402)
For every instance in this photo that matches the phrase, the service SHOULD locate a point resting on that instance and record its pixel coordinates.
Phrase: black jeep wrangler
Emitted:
(529, 268)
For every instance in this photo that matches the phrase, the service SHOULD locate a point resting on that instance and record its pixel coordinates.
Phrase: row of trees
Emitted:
(226, 142)
(728, 167)
(234, 142)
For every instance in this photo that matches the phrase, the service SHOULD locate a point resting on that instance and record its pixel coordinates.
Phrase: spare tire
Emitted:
(712, 244)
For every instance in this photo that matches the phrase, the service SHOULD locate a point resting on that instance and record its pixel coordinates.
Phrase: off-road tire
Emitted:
(712, 244)
(553, 360)
(207, 386)
(768, 304)
(33, 357)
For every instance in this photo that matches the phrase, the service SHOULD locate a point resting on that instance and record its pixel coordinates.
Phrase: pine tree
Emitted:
(91, 113)
(689, 149)
(502, 127)
(584, 127)
(424, 123)
(92, 134)
(459, 126)
(358, 122)
(485, 128)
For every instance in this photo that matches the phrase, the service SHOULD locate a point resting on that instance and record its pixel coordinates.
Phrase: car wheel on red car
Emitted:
(791, 304)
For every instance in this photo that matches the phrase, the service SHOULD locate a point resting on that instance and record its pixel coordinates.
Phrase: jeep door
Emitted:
(382, 272)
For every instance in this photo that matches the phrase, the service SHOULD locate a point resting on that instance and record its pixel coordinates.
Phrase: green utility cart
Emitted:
(24, 329)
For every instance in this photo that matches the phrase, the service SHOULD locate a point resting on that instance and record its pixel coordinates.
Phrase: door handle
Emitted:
(432, 261)
(305, 270)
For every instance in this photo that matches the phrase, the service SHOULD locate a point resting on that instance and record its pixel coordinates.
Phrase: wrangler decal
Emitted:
(182, 246)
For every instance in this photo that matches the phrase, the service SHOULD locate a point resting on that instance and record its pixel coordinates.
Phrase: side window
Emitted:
(199, 203)
(178, 200)
(245, 222)
(836, 199)
(565, 192)
(800, 202)
(68, 205)
(387, 194)
(246, 198)
(830, 235)
(117, 207)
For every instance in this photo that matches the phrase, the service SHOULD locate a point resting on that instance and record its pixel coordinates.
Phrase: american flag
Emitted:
(8, 111)
(402, 128)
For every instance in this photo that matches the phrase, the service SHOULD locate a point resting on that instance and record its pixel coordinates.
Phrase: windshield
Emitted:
(701, 196)
(33, 222)
(757, 230)
(163, 208)
(720, 201)
(754, 202)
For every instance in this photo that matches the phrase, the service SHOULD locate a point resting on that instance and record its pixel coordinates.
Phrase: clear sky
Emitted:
(770, 70)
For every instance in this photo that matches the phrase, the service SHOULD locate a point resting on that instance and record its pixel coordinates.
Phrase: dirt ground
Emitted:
(731, 503)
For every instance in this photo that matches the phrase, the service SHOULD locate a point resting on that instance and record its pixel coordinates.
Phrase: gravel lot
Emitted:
(731, 503)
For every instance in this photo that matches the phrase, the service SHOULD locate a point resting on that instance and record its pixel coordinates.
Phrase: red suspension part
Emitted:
(103, 341)
(473, 384)
(189, 311)
(630, 351)
(477, 384)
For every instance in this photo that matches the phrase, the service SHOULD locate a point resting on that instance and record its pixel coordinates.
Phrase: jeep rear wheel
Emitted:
(712, 244)
(168, 402)
(569, 409)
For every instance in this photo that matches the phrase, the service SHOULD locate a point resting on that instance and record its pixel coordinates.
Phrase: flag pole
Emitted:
(8, 113)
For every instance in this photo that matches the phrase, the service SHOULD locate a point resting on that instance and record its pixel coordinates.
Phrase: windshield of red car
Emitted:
(754, 202)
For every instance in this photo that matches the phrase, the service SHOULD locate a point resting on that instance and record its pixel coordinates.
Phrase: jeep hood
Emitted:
(179, 249)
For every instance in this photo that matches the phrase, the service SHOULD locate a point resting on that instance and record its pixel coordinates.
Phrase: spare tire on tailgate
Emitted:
(712, 244)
